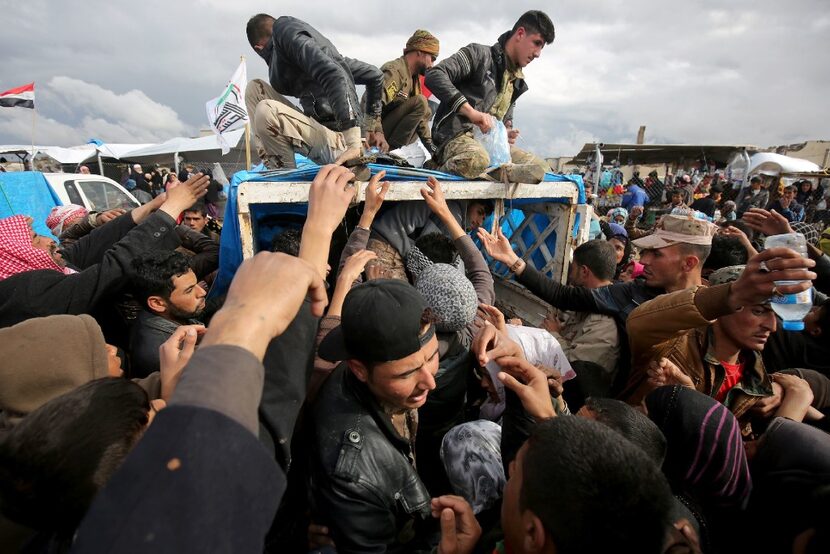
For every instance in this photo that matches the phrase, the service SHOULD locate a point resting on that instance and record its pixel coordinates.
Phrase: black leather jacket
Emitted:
(305, 64)
(365, 487)
(473, 74)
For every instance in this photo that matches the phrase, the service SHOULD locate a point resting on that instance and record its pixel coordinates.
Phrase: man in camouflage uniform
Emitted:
(479, 83)
(406, 113)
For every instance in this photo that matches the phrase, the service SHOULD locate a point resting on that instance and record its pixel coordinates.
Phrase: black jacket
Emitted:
(106, 254)
(473, 74)
(366, 489)
(149, 331)
(304, 64)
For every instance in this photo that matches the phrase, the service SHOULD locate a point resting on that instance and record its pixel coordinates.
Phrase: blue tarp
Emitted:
(230, 251)
(27, 193)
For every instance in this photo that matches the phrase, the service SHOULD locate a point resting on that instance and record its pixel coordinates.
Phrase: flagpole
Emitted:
(33, 140)
(247, 133)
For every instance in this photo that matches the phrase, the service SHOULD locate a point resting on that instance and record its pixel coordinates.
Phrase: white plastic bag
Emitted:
(494, 142)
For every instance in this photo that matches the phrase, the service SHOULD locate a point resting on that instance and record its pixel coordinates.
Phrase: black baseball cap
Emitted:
(381, 322)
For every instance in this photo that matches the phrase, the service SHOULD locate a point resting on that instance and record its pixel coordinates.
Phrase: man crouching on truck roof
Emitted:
(304, 64)
(479, 83)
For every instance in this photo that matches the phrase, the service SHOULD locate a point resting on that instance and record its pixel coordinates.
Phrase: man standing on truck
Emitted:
(305, 64)
(406, 113)
(480, 84)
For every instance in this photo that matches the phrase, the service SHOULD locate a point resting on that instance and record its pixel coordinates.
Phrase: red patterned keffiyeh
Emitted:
(61, 214)
(16, 251)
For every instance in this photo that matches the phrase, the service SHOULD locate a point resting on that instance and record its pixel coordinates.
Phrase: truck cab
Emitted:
(94, 192)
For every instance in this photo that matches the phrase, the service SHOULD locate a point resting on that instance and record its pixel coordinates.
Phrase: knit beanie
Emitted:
(422, 41)
(46, 357)
(450, 296)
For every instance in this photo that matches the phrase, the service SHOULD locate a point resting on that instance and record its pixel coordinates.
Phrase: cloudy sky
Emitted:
(698, 71)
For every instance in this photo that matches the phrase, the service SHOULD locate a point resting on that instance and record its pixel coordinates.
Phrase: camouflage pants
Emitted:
(280, 130)
(400, 124)
(389, 259)
(465, 156)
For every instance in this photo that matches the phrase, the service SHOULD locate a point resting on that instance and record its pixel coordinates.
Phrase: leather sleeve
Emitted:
(90, 248)
(332, 77)
(369, 75)
(440, 78)
(359, 520)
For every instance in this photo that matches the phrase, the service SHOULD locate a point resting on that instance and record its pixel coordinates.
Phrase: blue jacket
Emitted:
(635, 196)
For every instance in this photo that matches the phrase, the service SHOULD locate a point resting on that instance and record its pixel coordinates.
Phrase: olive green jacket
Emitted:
(398, 86)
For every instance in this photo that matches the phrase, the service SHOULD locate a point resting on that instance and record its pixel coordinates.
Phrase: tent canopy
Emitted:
(768, 163)
(651, 154)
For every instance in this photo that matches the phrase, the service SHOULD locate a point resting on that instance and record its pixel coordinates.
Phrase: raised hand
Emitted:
(530, 384)
(375, 194)
(174, 353)
(185, 195)
(756, 284)
(460, 530)
(767, 222)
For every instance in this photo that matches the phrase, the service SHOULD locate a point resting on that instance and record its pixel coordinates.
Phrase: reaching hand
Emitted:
(756, 284)
(185, 195)
(530, 384)
(264, 297)
(491, 344)
(347, 155)
(665, 372)
(732, 231)
(378, 140)
(328, 198)
(107, 216)
(512, 136)
(497, 246)
(768, 223)
(798, 396)
(354, 266)
(493, 315)
(375, 194)
(483, 121)
(767, 406)
(460, 530)
(434, 197)
(636, 212)
(551, 324)
(174, 353)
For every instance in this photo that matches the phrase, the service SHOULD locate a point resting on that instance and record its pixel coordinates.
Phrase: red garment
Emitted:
(16, 251)
(734, 373)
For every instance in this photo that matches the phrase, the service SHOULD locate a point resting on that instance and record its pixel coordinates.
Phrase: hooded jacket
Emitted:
(32, 375)
(472, 75)
(305, 64)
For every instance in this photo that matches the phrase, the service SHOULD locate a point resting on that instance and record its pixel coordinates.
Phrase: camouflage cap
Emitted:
(725, 275)
(675, 229)
(422, 41)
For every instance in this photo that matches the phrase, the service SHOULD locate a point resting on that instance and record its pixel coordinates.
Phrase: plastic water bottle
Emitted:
(791, 308)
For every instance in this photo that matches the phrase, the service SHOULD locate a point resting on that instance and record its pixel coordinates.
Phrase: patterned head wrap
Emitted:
(471, 453)
(16, 251)
(422, 41)
(61, 214)
(450, 296)
(810, 233)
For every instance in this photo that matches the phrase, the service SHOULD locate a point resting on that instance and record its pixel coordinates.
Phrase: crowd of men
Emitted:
(385, 404)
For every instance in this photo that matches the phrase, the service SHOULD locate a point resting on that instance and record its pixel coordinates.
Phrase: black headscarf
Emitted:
(705, 455)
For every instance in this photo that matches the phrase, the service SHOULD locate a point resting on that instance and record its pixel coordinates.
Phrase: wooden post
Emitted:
(641, 134)
(32, 164)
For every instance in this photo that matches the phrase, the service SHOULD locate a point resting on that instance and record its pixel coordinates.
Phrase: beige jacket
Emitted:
(590, 337)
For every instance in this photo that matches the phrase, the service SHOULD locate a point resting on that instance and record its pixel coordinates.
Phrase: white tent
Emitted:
(205, 148)
(767, 163)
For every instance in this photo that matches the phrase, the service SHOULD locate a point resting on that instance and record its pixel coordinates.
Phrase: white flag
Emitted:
(227, 112)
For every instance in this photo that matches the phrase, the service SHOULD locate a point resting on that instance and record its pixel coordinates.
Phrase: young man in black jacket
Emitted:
(305, 64)
(481, 83)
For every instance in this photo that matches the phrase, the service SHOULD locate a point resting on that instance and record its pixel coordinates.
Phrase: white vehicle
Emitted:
(94, 192)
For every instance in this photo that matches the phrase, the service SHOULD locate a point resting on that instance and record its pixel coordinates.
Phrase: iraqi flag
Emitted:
(20, 97)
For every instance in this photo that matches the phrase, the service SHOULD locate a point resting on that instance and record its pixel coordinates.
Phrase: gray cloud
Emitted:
(692, 72)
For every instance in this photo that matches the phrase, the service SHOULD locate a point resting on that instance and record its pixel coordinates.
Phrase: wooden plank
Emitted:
(297, 192)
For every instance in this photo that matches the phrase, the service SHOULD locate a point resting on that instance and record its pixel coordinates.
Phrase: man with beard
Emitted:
(405, 115)
(169, 292)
